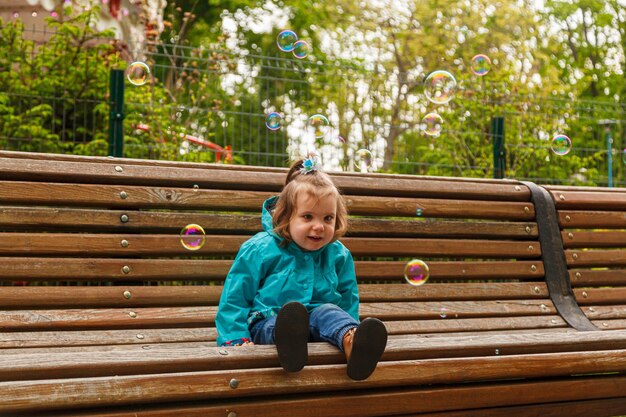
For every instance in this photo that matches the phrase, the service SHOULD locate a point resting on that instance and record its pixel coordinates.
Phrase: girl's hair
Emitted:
(314, 183)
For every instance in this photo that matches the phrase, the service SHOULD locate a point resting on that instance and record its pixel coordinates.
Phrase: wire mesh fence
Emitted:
(205, 104)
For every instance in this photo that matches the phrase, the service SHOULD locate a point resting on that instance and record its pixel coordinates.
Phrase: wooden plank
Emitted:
(592, 219)
(206, 295)
(151, 317)
(589, 200)
(456, 309)
(596, 258)
(590, 408)
(598, 277)
(110, 270)
(136, 197)
(406, 400)
(600, 296)
(466, 270)
(607, 324)
(450, 324)
(91, 244)
(452, 292)
(252, 178)
(96, 361)
(109, 297)
(146, 389)
(47, 339)
(85, 220)
(600, 312)
(593, 239)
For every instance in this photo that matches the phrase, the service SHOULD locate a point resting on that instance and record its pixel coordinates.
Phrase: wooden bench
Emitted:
(104, 313)
(593, 230)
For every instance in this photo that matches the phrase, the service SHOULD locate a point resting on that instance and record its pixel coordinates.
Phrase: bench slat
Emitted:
(504, 398)
(205, 295)
(587, 277)
(110, 270)
(146, 317)
(600, 296)
(592, 219)
(84, 244)
(39, 218)
(589, 200)
(599, 258)
(136, 197)
(501, 324)
(596, 239)
(102, 391)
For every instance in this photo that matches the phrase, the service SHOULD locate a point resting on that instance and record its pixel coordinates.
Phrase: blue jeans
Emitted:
(327, 323)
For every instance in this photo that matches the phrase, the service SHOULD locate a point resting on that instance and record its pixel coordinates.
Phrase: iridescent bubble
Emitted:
(363, 160)
(301, 49)
(416, 272)
(137, 73)
(341, 139)
(274, 121)
(481, 64)
(419, 212)
(431, 124)
(561, 145)
(286, 40)
(439, 87)
(192, 237)
(443, 313)
(318, 124)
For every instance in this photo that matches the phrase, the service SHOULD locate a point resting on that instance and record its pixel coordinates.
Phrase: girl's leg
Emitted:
(329, 323)
(262, 332)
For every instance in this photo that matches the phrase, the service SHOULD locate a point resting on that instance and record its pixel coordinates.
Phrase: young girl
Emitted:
(295, 282)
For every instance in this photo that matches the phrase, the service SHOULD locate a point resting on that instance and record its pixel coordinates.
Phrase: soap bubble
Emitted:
(416, 272)
(301, 49)
(137, 73)
(363, 160)
(192, 237)
(286, 40)
(439, 87)
(561, 145)
(419, 212)
(274, 121)
(431, 124)
(481, 64)
(443, 313)
(319, 124)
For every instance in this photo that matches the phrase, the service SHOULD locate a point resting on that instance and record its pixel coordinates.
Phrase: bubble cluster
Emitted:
(481, 64)
(192, 237)
(416, 272)
(440, 87)
(137, 73)
(431, 124)
(273, 121)
(561, 145)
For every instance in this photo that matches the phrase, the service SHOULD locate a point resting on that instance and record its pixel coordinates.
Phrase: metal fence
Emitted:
(201, 104)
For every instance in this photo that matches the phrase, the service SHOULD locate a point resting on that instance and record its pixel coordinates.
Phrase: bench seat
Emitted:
(104, 313)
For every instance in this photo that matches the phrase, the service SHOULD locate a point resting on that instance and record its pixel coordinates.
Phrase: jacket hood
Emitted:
(266, 216)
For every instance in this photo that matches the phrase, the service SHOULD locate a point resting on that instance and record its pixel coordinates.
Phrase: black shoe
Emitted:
(291, 334)
(368, 344)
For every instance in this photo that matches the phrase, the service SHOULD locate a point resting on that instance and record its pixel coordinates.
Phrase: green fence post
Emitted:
(116, 114)
(499, 157)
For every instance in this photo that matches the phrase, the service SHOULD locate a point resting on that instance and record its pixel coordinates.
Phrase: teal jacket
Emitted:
(265, 276)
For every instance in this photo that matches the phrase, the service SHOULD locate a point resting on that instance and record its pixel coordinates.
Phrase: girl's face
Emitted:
(313, 224)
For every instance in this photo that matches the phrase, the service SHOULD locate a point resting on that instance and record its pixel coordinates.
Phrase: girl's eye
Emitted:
(307, 217)
(329, 218)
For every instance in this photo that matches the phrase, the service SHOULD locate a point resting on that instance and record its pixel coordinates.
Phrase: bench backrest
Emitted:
(91, 248)
(593, 230)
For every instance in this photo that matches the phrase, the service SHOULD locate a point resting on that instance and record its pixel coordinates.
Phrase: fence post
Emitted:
(499, 156)
(116, 113)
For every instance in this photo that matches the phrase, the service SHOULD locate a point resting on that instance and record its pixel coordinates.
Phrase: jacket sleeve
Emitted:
(238, 294)
(347, 286)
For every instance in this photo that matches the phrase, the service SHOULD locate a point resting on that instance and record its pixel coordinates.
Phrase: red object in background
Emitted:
(114, 8)
(219, 151)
